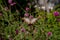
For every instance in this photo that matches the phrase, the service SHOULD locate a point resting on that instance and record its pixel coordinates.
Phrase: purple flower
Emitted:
(27, 9)
(56, 13)
(26, 14)
(17, 31)
(49, 33)
(9, 1)
(12, 4)
(22, 30)
(30, 17)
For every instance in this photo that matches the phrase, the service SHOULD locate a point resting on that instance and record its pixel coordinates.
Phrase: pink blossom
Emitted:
(22, 30)
(31, 17)
(17, 31)
(56, 13)
(9, 1)
(12, 3)
(27, 9)
(49, 33)
(26, 14)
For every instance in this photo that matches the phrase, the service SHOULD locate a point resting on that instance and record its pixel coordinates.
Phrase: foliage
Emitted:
(12, 26)
(57, 8)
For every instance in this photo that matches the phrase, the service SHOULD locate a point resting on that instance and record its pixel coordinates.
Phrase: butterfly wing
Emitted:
(27, 20)
(33, 20)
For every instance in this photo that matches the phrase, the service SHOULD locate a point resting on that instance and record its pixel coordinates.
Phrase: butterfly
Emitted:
(30, 21)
